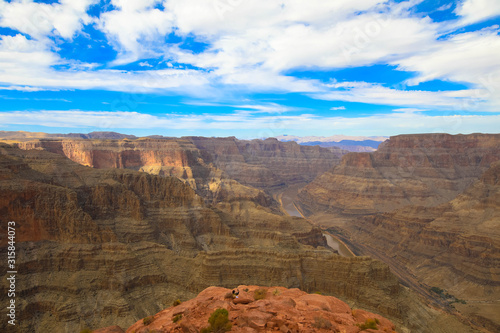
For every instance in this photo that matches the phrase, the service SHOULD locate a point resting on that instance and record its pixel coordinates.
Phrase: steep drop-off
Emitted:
(265, 164)
(101, 247)
(454, 246)
(426, 204)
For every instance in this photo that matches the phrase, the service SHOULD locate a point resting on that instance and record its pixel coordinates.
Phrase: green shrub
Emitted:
(86, 330)
(320, 322)
(259, 294)
(219, 322)
(437, 290)
(177, 317)
(176, 302)
(148, 320)
(369, 324)
(276, 292)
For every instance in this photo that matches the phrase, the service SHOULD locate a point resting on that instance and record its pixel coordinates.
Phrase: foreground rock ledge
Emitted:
(281, 310)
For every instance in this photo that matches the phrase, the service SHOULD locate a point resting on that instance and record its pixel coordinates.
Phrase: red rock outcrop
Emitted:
(426, 169)
(280, 309)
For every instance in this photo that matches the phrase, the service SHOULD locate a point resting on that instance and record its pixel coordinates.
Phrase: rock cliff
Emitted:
(100, 247)
(426, 169)
(428, 204)
(265, 164)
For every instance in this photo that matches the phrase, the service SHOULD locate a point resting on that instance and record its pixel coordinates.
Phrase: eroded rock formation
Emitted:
(426, 203)
(99, 247)
(426, 169)
(278, 309)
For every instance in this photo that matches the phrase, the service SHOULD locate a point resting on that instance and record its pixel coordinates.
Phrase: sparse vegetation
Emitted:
(318, 292)
(245, 290)
(446, 296)
(86, 330)
(219, 322)
(177, 317)
(369, 324)
(276, 292)
(320, 322)
(259, 294)
(176, 302)
(148, 320)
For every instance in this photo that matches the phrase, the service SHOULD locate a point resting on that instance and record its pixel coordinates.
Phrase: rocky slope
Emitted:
(426, 169)
(428, 204)
(279, 309)
(454, 246)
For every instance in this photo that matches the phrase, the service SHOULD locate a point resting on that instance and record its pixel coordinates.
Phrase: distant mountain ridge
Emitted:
(349, 143)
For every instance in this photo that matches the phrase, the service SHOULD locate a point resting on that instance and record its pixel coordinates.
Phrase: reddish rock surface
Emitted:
(282, 310)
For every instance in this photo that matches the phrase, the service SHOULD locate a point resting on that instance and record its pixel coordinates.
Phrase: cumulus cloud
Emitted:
(135, 26)
(473, 11)
(39, 20)
(252, 45)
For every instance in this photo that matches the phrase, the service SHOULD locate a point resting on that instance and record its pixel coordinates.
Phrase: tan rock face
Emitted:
(454, 246)
(264, 164)
(428, 203)
(284, 310)
(427, 169)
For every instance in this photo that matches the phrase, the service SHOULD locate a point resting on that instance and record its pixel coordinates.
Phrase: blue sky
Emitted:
(250, 69)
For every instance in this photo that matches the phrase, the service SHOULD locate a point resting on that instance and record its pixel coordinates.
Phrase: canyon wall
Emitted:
(425, 169)
(109, 246)
(428, 204)
(265, 164)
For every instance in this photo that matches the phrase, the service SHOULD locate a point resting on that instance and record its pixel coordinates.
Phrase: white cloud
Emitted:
(40, 20)
(473, 11)
(136, 27)
(335, 108)
(260, 126)
(471, 57)
(253, 44)
(364, 92)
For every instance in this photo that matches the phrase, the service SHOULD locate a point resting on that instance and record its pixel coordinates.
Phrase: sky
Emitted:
(250, 68)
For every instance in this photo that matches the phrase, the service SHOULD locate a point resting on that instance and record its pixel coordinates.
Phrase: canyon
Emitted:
(427, 205)
(114, 228)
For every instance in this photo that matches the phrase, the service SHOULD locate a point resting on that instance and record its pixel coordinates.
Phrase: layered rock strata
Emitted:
(428, 204)
(454, 246)
(100, 247)
(202, 162)
(426, 170)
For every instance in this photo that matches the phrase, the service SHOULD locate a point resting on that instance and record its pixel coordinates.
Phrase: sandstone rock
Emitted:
(301, 315)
